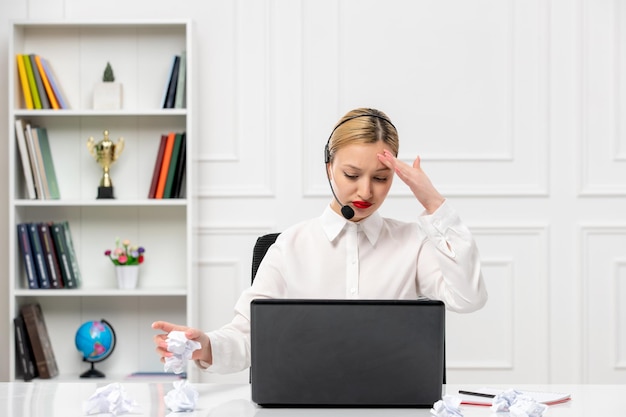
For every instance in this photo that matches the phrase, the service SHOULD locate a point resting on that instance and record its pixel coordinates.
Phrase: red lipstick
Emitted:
(361, 204)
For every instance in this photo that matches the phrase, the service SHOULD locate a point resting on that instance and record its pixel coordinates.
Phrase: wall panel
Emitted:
(603, 147)
(465, 83)
(603, 250)
(507, 339)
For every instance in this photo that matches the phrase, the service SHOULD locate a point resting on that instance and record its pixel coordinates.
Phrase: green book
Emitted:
(31, 81)
(46, 154)
(71, 252)
(63, 254)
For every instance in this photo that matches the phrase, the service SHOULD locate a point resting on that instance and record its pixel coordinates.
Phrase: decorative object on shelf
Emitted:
(127, 277)
(107, 95)
(96, 341)
(105, 153)
(126, 259)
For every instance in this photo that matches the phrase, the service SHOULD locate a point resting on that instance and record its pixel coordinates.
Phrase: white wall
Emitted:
(516, 108)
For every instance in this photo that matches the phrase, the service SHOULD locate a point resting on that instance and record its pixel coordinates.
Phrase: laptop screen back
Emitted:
(360, 353)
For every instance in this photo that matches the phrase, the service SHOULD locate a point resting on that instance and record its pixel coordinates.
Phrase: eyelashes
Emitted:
(356, 177)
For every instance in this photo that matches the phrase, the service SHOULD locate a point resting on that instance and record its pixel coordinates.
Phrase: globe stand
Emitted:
(92, 373)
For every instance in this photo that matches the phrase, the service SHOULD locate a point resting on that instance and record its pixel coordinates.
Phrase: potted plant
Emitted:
(126, 259)
(107, 95)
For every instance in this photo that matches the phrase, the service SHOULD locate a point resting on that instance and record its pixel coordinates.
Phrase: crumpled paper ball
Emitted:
(448, 406)
(525, 406)
(517, 404)
(182, 398)
(112, 399)
(182, 348)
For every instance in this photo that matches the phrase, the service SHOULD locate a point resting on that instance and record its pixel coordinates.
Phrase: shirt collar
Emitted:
(333, 223)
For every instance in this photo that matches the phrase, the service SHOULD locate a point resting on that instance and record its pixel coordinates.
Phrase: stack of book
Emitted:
(174, 96)
(169, 168)
(40, 87)
(48, 255)
(36, 160)
(35, 356)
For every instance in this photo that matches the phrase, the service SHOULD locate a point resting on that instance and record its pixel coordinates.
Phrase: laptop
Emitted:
(347, 353)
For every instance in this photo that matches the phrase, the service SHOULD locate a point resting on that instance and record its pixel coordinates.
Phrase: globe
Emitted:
(95, 340)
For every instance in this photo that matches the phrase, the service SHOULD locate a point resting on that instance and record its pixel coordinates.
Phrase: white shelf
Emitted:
(169, 202)
(116, 113)
(140, 52)
(107, 292)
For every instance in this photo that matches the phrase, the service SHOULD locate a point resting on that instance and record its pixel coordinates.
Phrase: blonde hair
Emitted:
(362, 125)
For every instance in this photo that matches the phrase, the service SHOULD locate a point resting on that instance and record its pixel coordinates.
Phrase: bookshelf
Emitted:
(140, 53)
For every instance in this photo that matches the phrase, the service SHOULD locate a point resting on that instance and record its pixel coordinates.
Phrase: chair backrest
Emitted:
(261, 246)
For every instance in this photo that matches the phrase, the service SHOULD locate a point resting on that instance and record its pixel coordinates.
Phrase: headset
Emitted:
(347, 211)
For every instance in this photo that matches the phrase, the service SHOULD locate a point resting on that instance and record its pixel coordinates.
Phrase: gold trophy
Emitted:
(105, 153)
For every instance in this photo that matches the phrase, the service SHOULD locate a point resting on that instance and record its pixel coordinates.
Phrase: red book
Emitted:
(157, 167)
(167, 156)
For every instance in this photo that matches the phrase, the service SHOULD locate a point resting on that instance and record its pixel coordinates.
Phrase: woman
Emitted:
(350, 251)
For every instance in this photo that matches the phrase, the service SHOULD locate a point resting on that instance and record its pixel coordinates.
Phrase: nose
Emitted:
(365, 189)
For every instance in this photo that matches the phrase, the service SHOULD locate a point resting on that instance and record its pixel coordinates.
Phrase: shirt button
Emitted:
(352, 290)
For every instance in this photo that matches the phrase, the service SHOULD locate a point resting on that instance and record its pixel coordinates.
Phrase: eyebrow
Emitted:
(359, 169)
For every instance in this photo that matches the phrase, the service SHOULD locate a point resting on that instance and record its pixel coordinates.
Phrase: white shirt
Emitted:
(376, 258)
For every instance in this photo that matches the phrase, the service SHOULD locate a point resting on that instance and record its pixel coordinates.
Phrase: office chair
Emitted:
(261, 246)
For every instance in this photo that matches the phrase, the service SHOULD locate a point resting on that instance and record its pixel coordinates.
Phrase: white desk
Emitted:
(65, 399)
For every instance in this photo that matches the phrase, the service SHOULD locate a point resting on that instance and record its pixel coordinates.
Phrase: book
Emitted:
(46, 84)
(50, 255)
(38, 256)
(181, 164)
(157, 167)
(54, 84)
(48, 163)
(156, 376)
(167, 156)
(67, 272)
(170, 96)
(181, 91)
(25, 159)
(21, 71)
(39, 340)
(43, 97)
(27, 369)
(31, 82)
(41, 169)
(27, 256)
(32, 153)
(182, 192)
(71, 252)
(171, 170)
(485, 395)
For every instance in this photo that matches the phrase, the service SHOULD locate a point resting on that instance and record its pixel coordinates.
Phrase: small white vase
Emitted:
(127, 276)
(107, 96)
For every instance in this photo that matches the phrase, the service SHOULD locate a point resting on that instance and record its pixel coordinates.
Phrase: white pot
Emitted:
(127, 276)
(107, 96)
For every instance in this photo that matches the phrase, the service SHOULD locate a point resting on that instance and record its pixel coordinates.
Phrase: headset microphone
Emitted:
(346, 211)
